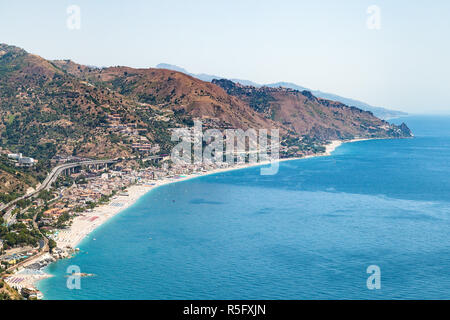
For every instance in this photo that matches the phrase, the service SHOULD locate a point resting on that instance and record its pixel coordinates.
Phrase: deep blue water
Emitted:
(308, 232)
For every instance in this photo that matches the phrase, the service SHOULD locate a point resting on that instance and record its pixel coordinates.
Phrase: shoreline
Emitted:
(87, 222)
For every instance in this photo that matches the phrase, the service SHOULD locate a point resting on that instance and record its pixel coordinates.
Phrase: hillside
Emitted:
(50, 108)
(60, 108)
(15, 181)
(227, 104)
(45, 111)
(176, 91)
(379, 112)
(8, 293)
(306, 114)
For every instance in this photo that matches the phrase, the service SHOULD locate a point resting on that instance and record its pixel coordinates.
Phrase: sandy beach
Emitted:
(85, 223)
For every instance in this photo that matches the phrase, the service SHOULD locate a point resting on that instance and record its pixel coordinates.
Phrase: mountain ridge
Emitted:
(307, 114)
(53, 107)
(380, 112)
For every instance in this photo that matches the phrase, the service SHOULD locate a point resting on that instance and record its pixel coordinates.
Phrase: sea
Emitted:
(371, 221)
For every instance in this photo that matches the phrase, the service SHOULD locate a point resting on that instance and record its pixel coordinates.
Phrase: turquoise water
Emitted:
(308, 232)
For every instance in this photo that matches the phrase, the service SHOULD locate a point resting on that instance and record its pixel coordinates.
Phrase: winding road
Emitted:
(52, 176)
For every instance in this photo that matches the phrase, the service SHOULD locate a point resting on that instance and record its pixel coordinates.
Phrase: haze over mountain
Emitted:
(204, 76)
(380, 112)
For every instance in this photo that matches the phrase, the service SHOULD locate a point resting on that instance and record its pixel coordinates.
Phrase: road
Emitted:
(59, 169)
(153, 158)
(53, 175)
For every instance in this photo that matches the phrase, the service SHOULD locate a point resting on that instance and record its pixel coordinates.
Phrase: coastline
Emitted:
(87, 222)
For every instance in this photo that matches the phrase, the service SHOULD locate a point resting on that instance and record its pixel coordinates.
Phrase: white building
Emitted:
(22, 161)
(15, 156)
(26, 161)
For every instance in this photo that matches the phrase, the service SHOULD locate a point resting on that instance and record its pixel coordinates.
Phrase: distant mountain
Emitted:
(380, 112)
(172, 67)
(377, 111)
(204, 76)
(289, 85)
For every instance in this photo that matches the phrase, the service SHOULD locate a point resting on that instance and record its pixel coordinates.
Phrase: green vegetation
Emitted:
(63, 181)
(51, 244)
(45, 195)
(4, 296)
(20, 234)
(8, 293)
(62, 219)
(8, 197)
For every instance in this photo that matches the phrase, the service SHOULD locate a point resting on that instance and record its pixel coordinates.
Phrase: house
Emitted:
(54, 213)
(10, 260)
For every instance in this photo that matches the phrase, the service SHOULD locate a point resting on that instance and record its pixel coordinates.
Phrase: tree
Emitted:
(62, 219)
(51, 244)
(45, 195)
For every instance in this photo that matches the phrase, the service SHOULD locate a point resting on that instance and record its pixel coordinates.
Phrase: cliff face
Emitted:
(405, 131)
(306, 114)
(8, 293)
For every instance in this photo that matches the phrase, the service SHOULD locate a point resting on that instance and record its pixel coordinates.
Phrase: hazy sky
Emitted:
(323, 44)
